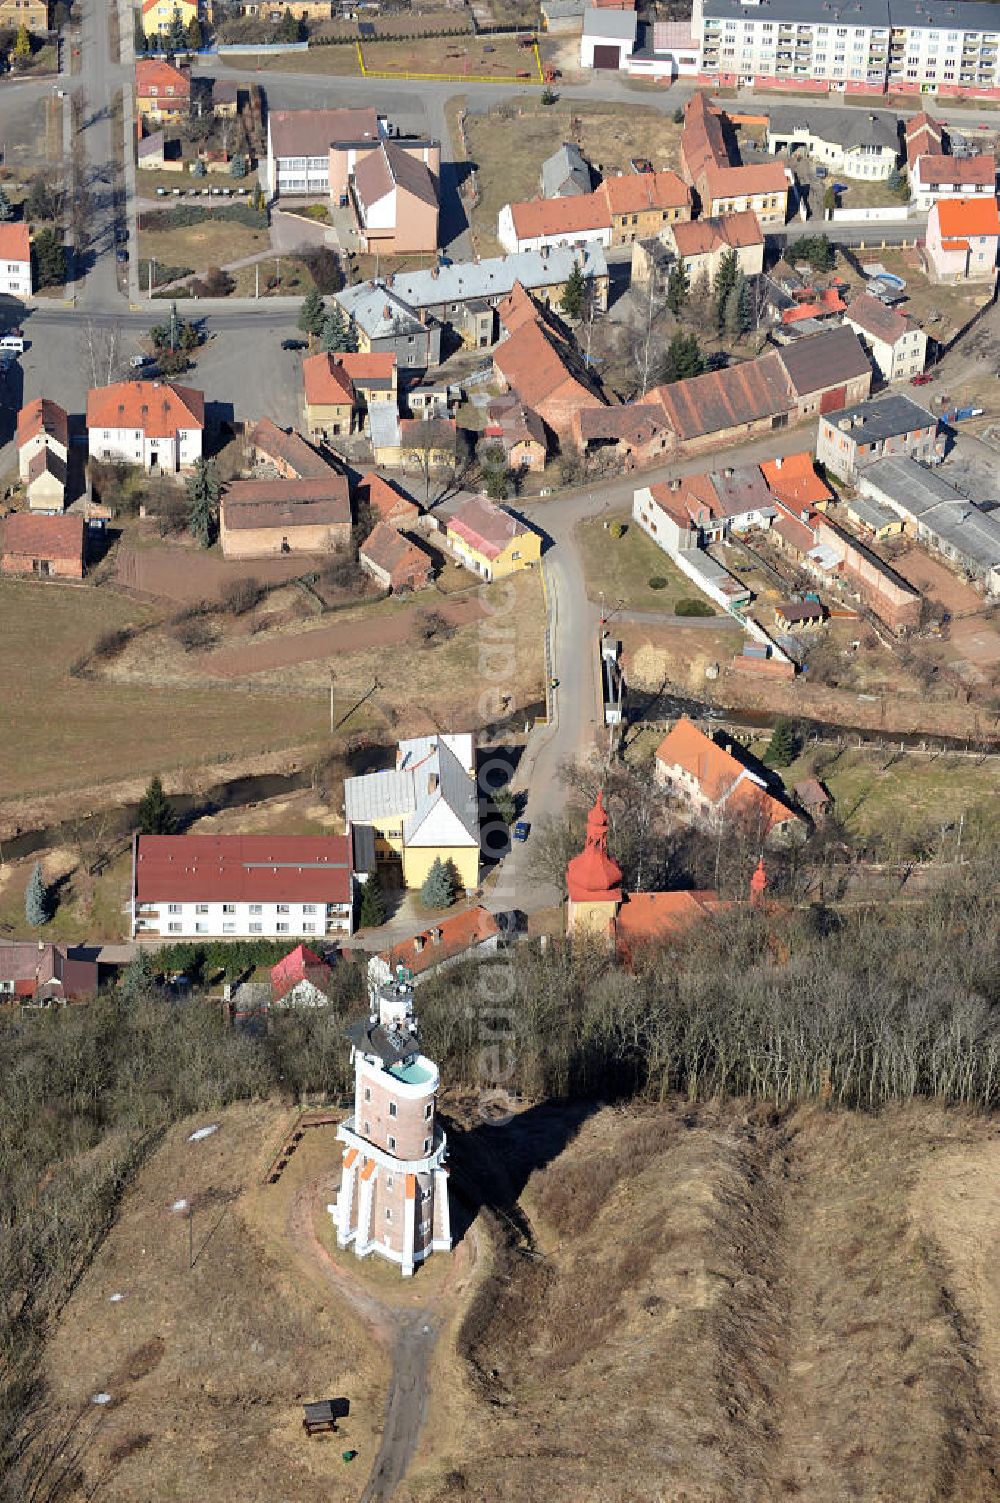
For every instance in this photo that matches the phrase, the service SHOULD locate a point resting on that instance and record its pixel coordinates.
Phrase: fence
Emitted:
(237, 49)
(888, 214)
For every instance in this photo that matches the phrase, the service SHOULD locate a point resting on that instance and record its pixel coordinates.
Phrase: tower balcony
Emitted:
(348, 1134)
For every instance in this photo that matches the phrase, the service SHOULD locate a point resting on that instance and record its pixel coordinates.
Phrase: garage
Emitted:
(606, 57)
(832, 401)
(608, 39)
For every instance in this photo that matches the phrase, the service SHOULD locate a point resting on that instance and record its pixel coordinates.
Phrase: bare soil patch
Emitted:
(187, 575)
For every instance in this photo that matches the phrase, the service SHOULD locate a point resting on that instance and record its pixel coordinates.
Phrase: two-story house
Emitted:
(156, 424)
(897, 345)
(962, 238)
(15, 260)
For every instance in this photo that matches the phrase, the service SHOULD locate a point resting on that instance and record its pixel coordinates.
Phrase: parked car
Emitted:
(121, 256)
(822, 172)
(13, 341)
(294, 344)
(139, 361)
(921, 379)
(521, 830)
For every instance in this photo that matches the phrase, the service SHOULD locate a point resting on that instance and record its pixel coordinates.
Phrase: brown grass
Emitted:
(728, 1306)
(208, 1366)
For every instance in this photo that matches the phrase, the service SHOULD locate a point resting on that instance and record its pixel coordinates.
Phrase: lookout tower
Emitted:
(393, 1197)
(594, 880)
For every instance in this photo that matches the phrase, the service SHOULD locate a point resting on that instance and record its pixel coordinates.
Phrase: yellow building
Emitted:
(31, 13)
(330, 398)
(491, 541)
(423, 810)
(157, 15)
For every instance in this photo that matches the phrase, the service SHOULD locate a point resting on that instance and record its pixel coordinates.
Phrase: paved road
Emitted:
(98, 81)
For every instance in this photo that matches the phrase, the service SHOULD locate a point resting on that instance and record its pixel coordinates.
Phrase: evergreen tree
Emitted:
(574, 298)
(203, 503)
(681, 359)
(139, 39)
(736, 313)
(137, 979)
(372, 912)
(505, 804)
(678, 288)
(829, 199)
(176, 32)
(238, 165)
(192, 35)
(312, 314)
(783, 747)
(725, 281)
(50, 258)
(336, 333)
(438, 890)
(815, 250)
(153, 816)
(496, 474)
(36, 898)
(6, 208)
(289, 28)
(198, 167)
(22, 45)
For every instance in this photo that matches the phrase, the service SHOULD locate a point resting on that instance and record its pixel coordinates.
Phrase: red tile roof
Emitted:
(793, 479)
(57, 538)
(485, 526)
(454, 936)
(568, 218)
(725, 399)
(301, 964)
(15, 242)
(959, 172)
(721, 778)
(243, 868)
(878, 320)
(361, 369)
(311, 133)
(159, 408)
(42, 416)
(386, 500)
(392, 551)
(967, 216)
(594, 876)
(703, 141)
(156, 78)
(638, 192)
(288, 449)
(326, 382)
(699, 237)
(646, 916)
(744, 182)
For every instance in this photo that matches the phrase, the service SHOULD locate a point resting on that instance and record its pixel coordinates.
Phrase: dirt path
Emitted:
(408, 1333)
(338, 638)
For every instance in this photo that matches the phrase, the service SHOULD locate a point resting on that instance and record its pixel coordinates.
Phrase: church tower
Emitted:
(393, 1197)
(594, 881)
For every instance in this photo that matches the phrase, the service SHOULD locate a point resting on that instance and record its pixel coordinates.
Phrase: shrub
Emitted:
(657, 582)
(186, 216)
(617, 529)
(194, 634)
(110, 643)
(688, 607)
(241, 595)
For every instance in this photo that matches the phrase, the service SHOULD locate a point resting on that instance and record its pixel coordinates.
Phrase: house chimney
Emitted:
(418, 942)
(778, 462)
(675, 485)
(436, 935)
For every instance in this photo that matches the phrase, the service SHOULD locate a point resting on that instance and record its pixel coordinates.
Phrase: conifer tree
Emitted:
(36, 898)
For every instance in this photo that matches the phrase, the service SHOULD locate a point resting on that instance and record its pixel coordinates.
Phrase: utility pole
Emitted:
(332, 680)
(256, 290)
(190, 1237)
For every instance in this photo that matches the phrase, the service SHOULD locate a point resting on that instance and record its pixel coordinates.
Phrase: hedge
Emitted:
(183, 216)
(201, 960)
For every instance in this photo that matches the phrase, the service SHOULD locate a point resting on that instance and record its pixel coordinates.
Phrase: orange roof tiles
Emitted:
(635, 192)
(757, 178)
(725, 399)
(959, 217)
(793, 479)
(326, 382)
(721, 778)
(378, 366)
(15, 242)
(654, 915)
(159, 408)
(456, 935)
(573, 218)
(42, 416)
(155, 78)
(387, 502)
(398, 555)
(699, 237)
(938, 171)
(593, 876)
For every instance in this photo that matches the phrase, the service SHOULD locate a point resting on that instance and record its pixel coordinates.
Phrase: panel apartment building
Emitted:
(868, 46)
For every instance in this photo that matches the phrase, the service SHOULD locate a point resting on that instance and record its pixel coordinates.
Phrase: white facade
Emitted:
(605, 30)
(132, 446)
(923, 193)
(850, 49)
(241, 920)
(512, 242)
(35, 444)
(896, 360)
(15, 278)
(866, 162)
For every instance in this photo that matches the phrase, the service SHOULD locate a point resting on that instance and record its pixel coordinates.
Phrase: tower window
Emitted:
(368, 1093)
(367, 1129)
(427, 1145)
(427, 1112)
(388, 1214)
(392, 1109)
(392, 1145)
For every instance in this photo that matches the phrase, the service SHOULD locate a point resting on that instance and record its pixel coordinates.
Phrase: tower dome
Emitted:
(594, 876)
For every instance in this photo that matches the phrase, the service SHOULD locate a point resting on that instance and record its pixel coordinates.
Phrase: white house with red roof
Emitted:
(156, 424)
(242, 886)
(301, 979)
(15, 260)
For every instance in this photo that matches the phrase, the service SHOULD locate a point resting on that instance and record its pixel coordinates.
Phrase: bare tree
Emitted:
(101, 352)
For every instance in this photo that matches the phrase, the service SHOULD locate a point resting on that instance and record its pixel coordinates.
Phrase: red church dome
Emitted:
(593, 876)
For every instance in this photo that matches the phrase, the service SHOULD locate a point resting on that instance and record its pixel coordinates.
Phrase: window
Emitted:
(283, 908)
(392, 1145)
(281, 928)
(229, 928)
(389, 1182)
(229, 907)
(427, 1145)
(308, 928)
(308, 907)
(256, 928)
(427, 1111)
(201, 928)
(388, 1214)
(368, 1093)
(367, 1129)
(173, 907)
(174, 928)
(201, 907)
(6, 987)
(393, 1110)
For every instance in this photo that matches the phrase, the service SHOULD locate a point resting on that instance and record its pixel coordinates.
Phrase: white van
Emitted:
(12, 342)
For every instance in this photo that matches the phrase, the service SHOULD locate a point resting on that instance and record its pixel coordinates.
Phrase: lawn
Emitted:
(215, 242)
(64, 732)
(509, 144)
(900, 795)
(496, 57)
(621, 568)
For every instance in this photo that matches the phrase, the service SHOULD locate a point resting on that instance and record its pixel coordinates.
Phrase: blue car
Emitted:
(521, 830)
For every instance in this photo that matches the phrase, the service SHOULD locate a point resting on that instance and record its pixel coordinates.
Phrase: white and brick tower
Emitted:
(393, 1197)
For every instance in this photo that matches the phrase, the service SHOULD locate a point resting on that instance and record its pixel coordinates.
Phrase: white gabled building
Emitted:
(155, 424)
(897, 345)
(15, 260)
(242, 886)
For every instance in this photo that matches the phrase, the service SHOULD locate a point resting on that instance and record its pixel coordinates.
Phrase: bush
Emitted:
(687, 607)
(617, 530)
(242, 595)
(194, 634)
(110, 643)
(323, 265)
(186, 216)
(657, 582)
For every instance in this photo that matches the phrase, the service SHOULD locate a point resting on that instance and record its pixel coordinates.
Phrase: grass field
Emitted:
(64, 732)
(213, 243)
(621, 568)
(509, 145)
(457, 57)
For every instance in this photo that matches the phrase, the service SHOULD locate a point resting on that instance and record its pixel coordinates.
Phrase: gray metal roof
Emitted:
(410, 793)
(915, 491)
(872, 513)
(619, 25)
(378, 795)
(493, 277)
(566, 172)
(847, 128)
(454, 787)
(383, 425)
(888, 417)
(379, 312)
(955, 15)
